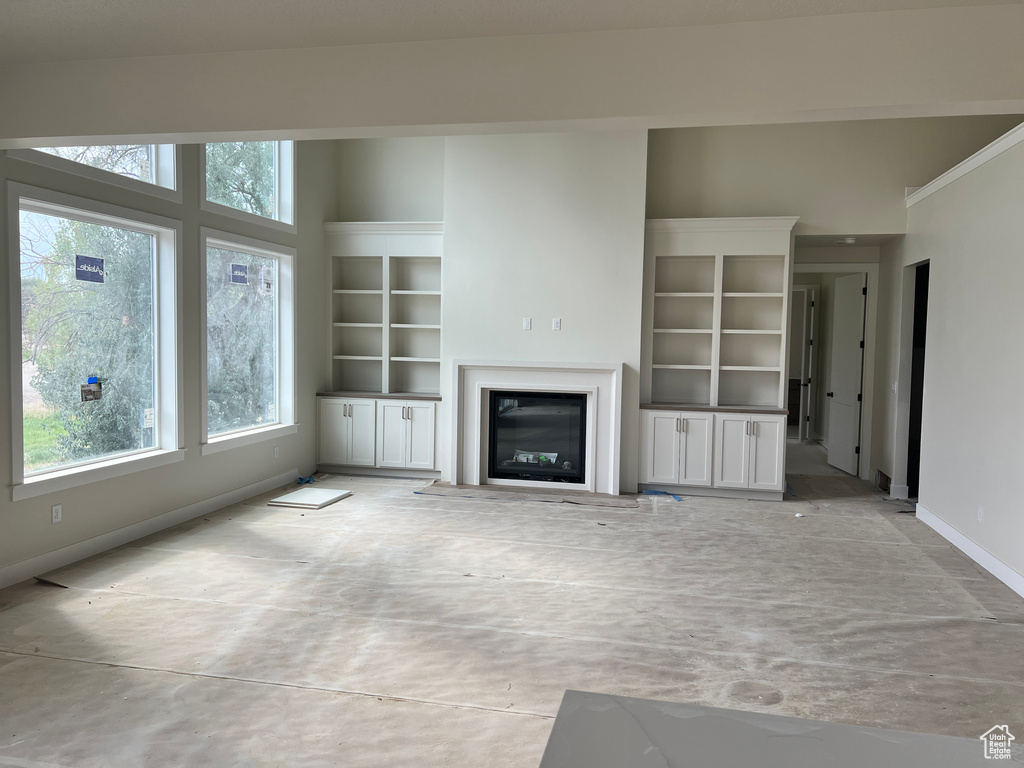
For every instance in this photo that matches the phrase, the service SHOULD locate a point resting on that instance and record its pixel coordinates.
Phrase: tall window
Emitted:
(148, 168)
(249, 344)
(97, 335)
(254, 177)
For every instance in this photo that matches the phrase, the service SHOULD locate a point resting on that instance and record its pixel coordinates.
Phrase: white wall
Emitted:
(545, 226)
(830, 67)
(100, 508)
(971, 448)
(391, 179)
(839, 178)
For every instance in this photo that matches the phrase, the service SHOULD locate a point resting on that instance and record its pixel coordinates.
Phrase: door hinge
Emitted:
(862, 343)
(807, 418)
(864, 291)
(808, 379)
(810, 342)
(857, 450)
(812, 303)
(859, 397)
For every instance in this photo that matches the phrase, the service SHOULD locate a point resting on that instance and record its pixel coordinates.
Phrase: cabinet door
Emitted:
(333, 431)
(659, 446)
(732, 450)
(420, 436)
(362, 422)
(391, 433)
(768, 453)
(695, 455)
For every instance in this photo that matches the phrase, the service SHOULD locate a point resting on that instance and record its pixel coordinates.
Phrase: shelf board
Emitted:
(350, 258)
(682, 295)
(364, 291)
(750, 332)
(415, 293)
(771, 369)
(415, 257)
(683, 330)
(377, 358)
(358, 325)
(681, 367)
(751, 295)
(415, 359)
(423, 326)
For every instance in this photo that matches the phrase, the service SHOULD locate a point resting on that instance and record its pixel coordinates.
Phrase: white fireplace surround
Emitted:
(601, 382)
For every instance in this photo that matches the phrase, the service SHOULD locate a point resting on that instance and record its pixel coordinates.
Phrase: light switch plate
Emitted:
(526, 323)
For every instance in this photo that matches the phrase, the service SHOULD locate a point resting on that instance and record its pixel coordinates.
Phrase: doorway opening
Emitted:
(917, 379)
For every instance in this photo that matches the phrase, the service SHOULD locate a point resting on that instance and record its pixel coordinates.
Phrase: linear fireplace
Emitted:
(537, 436)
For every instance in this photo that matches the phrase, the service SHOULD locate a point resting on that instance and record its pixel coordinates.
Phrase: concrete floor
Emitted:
(396, 629)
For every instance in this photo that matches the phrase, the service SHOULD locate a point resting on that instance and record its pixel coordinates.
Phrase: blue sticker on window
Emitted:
(240, 274)
(89, 268)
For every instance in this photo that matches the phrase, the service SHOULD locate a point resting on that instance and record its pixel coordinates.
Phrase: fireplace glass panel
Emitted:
(537, 436)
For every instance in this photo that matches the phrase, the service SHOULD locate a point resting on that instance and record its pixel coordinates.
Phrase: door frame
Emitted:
(898, 488)
(806, 359)
(870, 328)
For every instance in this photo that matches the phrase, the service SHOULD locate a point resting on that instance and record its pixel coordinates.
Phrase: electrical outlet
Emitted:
(556, 324)
(527, 323)
(56, 513)
(277, 452)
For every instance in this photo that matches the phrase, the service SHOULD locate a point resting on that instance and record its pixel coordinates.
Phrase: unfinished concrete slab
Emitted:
(397, 628)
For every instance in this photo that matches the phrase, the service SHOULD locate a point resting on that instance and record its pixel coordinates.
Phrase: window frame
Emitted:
(169, 434)
(286, 423)
(167, 161)
(284, 190)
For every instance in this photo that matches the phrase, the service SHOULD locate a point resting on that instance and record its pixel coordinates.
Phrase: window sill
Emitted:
(236, 213)
(62, 479)
(249, 437)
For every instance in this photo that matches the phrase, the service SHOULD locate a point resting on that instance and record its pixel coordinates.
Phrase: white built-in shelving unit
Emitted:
(385, 306)
(716, 311)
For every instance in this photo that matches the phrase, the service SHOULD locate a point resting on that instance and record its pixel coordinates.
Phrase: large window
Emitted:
(151, 168)
(255, 178)
(98, 335)
(248, 338)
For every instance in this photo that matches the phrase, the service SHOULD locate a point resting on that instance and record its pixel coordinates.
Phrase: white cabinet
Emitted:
(347, 431)
(675, 448)
(406, 434)
(749, 451)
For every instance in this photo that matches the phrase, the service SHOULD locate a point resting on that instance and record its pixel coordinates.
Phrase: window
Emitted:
(151, 168)
(251, 178)
(98, 340)
(249, 340)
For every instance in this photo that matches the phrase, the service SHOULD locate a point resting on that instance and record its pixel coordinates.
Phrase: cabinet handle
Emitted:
(344, 410)
(747, 428)
(403, 412)
(682, 425)
(677, 425)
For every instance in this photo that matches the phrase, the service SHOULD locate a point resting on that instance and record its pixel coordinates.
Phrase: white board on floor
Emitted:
(310, 498)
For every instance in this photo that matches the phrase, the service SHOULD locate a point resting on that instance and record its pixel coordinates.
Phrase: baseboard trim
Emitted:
(982, 557)
(58, 558)
(899, 492)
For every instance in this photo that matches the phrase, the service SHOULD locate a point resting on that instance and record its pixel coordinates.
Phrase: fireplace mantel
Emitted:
(601, 382)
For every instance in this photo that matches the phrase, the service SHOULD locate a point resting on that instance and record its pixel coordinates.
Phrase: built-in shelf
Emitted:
(682, 367)
(715, 313)
(386, 306)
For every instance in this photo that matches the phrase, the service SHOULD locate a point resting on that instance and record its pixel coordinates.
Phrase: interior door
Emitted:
(810, 384)
(847, 361)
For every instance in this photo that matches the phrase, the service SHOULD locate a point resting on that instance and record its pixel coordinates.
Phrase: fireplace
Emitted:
(537, 436)
(599, 383)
